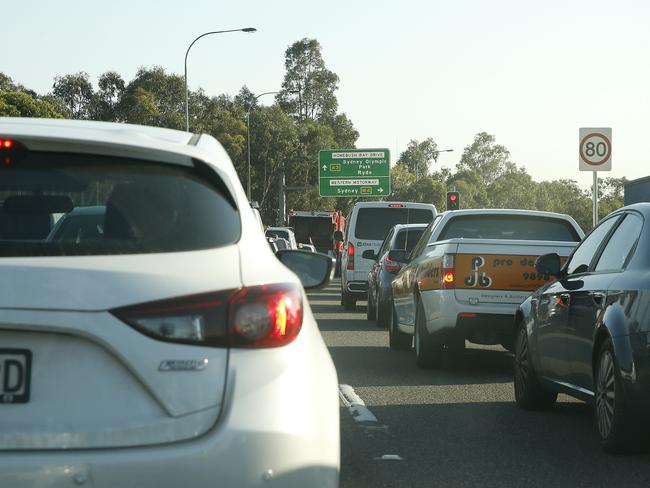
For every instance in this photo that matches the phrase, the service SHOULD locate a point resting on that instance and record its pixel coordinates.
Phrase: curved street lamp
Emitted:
(417, 173)
(248, 136)
(187, 106)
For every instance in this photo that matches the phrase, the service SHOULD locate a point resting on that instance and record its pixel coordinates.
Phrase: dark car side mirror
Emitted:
(338, 235)
(398, 255)
(549, 264)
(314, 269)
(369, 254)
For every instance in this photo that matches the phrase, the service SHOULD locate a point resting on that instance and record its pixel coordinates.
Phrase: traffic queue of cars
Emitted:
(574, 310)
(149, 336)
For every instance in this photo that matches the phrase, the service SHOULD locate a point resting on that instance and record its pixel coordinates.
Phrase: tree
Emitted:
(308, 87)
(75, 92)
(419, 156)
(20, 104)
(107, 98)
(485, 158)
(162, 97)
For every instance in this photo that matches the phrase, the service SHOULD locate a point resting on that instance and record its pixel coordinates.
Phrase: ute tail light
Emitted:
(350, 256)
(448, 275)
(392, 267)
(252, 317)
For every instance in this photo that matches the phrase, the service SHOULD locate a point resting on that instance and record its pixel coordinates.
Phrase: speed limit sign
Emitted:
(595, 149)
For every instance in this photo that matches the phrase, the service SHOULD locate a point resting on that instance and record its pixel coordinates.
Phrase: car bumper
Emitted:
(279, 428)
(484, 324)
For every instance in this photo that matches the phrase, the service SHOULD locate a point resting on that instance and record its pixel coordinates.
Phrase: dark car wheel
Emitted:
(397, 340)
(428, 353)
(529, 392)
(382, 311)
(617, 428)
(349, 302)
(371, 309)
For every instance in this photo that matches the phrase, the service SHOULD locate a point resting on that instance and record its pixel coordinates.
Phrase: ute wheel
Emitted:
(616, 426)
(428, 352)
(349, 302)
(371, 309)
(397, 340)
(529, 392)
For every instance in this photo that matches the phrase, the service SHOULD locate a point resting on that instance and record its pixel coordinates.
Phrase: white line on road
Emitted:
(355, 405)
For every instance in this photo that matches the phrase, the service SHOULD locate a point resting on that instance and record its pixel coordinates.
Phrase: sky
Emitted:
(530, 73)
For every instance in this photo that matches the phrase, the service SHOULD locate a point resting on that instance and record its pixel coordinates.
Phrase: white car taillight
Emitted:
(257, 316)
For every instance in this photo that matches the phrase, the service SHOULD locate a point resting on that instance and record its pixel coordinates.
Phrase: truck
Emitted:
(317, 227)
(636, 191)
(467, 275)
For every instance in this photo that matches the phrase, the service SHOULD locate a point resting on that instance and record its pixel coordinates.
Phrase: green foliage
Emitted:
(20, 104)
(308, 87)
(419, 156)
(75, 93)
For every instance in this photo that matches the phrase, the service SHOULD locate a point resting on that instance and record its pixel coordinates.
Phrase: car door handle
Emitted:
(598, 298)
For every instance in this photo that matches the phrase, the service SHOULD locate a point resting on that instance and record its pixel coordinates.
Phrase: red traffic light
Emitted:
(453, 197)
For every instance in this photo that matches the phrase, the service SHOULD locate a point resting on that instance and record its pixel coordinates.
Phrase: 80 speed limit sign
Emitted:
(595, 149)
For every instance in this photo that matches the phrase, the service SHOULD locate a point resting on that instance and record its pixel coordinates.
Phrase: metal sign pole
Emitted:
(595, 197)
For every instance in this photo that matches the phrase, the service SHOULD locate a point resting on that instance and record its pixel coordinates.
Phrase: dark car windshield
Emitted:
(374, 223)
(520, 227)
(110, 205)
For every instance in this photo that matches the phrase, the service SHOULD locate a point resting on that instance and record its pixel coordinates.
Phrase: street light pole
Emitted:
(248, 136)
(187, 105)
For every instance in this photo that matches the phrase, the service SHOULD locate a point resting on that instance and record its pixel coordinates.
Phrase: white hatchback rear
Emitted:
(167, 348)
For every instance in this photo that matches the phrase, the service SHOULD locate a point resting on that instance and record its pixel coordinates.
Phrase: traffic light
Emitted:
(453, 200)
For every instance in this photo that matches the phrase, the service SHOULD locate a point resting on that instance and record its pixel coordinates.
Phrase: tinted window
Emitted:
(407, 239)
(424, 238)
(384, 245)
(584, 254)
(620, 244)
(521, 227)
(147, 207)
(374, 223)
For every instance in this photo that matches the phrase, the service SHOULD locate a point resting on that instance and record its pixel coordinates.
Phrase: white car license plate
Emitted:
(15, 375)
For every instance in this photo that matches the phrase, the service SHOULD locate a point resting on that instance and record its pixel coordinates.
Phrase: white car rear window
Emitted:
(111, 205)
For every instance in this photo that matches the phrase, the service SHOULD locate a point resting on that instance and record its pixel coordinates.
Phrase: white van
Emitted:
(366, 228)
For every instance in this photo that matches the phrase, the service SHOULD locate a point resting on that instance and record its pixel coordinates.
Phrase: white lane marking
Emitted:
(355, 405)
(389, 457)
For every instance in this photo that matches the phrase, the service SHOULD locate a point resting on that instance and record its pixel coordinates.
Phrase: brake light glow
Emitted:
(6, 143)
(448, 277)
(392, 267)
(252, 317)
(350, 265)
(395, 205)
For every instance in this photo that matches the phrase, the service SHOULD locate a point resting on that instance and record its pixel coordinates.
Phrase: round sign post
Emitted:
(595, 150)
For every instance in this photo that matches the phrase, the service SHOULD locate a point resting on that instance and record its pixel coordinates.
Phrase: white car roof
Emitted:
(119, 140)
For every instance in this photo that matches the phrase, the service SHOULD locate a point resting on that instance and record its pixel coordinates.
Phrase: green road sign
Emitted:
(354, 172)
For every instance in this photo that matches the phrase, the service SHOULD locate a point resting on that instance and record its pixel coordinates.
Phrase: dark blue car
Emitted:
(587, 334)
(400, 239)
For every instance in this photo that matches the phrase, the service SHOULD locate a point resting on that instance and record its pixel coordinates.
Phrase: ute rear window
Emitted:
(54, 204)
(520, 227)
(374, 223)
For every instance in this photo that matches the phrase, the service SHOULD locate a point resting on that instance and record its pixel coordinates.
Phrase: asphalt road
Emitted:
(457, 426)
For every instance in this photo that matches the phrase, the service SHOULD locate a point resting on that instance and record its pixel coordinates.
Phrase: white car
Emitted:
(174, 350)
(283, 233)
(367, 227)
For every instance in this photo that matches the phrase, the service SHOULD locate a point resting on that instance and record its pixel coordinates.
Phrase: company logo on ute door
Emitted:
(477, 277)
